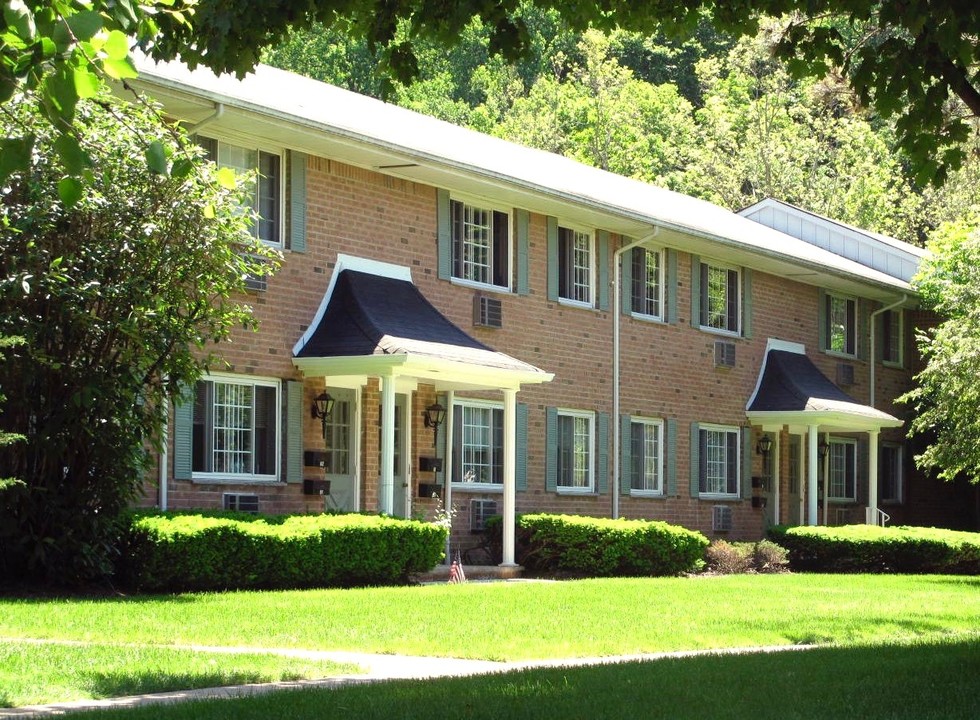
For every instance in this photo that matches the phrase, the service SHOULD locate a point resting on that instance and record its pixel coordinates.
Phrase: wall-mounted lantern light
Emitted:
(434, 416)
(321, 409)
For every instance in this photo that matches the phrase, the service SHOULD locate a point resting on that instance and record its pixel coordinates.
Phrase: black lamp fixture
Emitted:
(764, 446)
(822, 449)
(434, 416)
(321, 409)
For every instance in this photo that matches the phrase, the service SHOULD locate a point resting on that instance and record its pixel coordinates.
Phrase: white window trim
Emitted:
(738, 462)
(900, 363)
(854, 330)
(458, 417)
(900, 475)
(591, 488)
(251, 479)
(593, 291)
(485, 204)
(661, 282)
(659, 423)
(737, 332)
(843, 500)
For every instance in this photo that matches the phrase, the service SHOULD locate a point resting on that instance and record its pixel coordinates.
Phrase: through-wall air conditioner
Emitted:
(242, 502)
(724, 354)
(845, 374)
(721, 518)
(487, 312)
(480, 510)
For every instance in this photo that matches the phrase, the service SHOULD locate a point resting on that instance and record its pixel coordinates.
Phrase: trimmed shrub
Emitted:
(869, 548)
(177, 552)
(728, 558)
(768, 557)
(598, 547)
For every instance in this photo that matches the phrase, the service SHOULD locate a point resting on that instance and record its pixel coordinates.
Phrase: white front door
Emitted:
(400, 494)
(339, 443)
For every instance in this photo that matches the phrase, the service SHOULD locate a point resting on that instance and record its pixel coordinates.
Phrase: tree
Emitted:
(118, 298)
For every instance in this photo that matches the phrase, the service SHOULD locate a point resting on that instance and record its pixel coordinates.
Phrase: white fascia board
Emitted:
(827, 421)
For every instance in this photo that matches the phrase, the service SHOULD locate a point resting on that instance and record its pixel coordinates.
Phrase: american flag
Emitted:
(456, 574)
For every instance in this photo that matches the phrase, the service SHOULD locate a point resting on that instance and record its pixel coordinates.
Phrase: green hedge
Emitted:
(599, 547)
(869, 548)
(176, 552)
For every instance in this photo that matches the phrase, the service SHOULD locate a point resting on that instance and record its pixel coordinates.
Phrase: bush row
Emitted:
(868, 548)
(598, 547)
(176, 552)
(729, 558)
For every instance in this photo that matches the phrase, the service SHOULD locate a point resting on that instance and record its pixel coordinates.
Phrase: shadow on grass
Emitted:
(122, 683)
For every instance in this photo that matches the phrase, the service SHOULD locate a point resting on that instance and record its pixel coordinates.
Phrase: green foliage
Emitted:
(600, 547)
(869, 548)
(195, 552)
(117, 295)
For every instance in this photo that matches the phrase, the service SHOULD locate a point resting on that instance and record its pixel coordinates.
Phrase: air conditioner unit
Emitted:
(480, 510)
(724, 354)
(721, 518)
(487, 312)
(843, 516)
(256, 282)
(845, 374)
(241, 502)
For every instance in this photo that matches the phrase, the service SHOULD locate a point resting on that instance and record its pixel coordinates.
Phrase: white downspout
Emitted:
(617, 258)
(873, 358)
(219, 110)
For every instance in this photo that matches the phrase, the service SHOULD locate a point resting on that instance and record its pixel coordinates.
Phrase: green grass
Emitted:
(514, 621)
(922, 681)
(31, 674)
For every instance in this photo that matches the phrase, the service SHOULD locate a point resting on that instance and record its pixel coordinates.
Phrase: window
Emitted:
(890, 473)
(841, 324)
(236, 429)
(794, 466)
(478, 443)
(338, 439)
(481, 244)
(646, 457)
(719, 460)
(575, 448)
(646, 277)
(266, 190)
(893, 337)
(843, 469)
(720, 298)
(575, 277)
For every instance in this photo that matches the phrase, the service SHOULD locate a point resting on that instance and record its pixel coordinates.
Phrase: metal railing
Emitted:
(876, 516)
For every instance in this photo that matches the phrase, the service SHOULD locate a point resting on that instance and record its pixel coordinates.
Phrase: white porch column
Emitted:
(872, 518)
(510, 476)
(447, 468)
(775, 475)
(813, 469)
(386, 483)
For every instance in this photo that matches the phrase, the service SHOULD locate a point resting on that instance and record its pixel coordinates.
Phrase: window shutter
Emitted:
(552, 258)
(861, 315)
(297, 201)
(822, 316)
(882, 333)
(732, 309)
(602, 250)
(523, 251)
(294, 431)
(625, 454)
(670, 464)
(520, 471)
(695, 291)
(695, 470)
(626, 290)
(445, 234)
(183, 434)
(440, 448)
(746, 489)
(551, 445)
(602, 461)
(746, 302)
(671, 294)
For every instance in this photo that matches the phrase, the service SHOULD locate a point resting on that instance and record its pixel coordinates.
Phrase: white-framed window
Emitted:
(236, 433)
(576, 449)
(339, 437)
(794, 466)
(478, 444)
(647, 283)
(890, 476)
(646, 456)
(721, 298)
(719, 455)
(842, 482)
(893, 337)
(840, 317)
(576, 266)
(481, 244)
(267, 190)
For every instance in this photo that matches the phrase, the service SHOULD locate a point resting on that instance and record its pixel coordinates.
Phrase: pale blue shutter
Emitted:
(671, 294)
(602, 461)
(746, 488)
(625, 453)
(695, 291)
(523, 251)
(626, 281)
(183, 435)
(695, 470)
(551, 449)
(294, 431)
(297, 201)
(746, 302)
(602, 250)
(520, 420)
(552, 258)
(671, 463)
(445, 234)
(861, 313)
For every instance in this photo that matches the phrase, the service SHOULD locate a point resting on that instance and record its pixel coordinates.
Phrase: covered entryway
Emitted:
(792, 396)
(374, 324)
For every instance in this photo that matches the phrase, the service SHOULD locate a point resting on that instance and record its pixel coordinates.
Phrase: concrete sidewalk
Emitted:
(377, 668)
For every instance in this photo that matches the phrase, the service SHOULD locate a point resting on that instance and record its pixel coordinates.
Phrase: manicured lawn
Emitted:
(921, 681)
(32, 674)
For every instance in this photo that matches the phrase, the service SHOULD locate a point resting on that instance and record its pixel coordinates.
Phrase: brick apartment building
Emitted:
(600, 346)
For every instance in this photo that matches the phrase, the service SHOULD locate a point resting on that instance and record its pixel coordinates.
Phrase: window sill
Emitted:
(565, 302)
(841, 501)
(715, 497)
(734, 334)
(233, 480)
(473, 285)
(652, 494)
(575, 491)
(478, 487)
(893, 365)
(840, 355)
(655, 319)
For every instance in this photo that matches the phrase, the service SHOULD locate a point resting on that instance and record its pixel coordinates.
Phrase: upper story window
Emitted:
(576, 259)
(720, 304)
(266, 189)
(647, 283)
(646, 457)
(718, 473)
(843, 469)
(575, 451)
(478, 443)
(480, 244)
(236, 429)
(893, 337)
(840, 324)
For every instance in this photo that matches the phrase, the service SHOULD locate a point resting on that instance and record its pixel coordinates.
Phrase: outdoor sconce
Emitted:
(764, 447)
(822, 449)
(321, 409)
(434, 416)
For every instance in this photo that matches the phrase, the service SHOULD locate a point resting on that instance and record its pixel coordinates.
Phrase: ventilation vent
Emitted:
(480, 510)
(257, 282)
(487, 312)
(845, 374)
(241, 502)
(724, 354)
(721, 518)
(843, 516)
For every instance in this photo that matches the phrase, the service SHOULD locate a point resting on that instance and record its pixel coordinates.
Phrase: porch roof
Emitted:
(791, 390)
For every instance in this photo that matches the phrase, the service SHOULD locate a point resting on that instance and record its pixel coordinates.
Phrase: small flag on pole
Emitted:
(456, 574)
